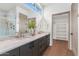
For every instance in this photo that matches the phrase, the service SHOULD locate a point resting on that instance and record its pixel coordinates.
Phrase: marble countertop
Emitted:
(12, 42)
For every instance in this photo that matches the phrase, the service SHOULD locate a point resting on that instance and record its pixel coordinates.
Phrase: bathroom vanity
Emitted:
(25, 46)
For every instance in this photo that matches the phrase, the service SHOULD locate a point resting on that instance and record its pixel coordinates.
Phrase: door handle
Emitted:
(71, 33)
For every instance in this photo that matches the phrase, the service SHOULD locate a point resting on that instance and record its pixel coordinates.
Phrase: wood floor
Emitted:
(59, 48)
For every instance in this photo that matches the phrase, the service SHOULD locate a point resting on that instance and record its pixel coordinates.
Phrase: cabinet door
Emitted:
(40, 45)
(14, 52)
(35, 50)
(43, 44)
(48, 40)
(26, 50)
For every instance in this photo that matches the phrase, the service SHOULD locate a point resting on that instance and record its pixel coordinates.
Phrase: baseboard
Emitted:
(61, 40)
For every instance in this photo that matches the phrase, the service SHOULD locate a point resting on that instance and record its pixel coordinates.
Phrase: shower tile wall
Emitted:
(11, 23)
(7, 24)
(3, 24)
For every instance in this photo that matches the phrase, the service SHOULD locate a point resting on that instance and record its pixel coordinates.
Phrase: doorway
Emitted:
(61, 26)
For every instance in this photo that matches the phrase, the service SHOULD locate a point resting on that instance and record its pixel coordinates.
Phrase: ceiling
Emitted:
(54, 4)
(8, 6)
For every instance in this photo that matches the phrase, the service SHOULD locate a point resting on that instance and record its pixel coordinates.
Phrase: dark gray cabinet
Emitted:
(14, 52)
(26, 50)
(34, 48)
(43, 44)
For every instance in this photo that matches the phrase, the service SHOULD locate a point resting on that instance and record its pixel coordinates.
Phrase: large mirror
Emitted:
(14, 19)
(26, 25)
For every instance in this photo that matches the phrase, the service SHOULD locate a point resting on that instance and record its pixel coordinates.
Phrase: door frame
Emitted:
(67, 12)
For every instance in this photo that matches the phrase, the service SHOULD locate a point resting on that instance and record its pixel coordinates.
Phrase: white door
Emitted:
(60, 26)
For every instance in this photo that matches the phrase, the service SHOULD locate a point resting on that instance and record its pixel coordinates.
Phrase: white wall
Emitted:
(78, 29)
(74, 19)
(2, 13)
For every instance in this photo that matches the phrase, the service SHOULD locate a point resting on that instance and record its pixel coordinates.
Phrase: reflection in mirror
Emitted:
(23, 23)
(32, 25)
(7, 23)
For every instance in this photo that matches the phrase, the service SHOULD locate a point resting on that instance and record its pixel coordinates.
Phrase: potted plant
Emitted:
(31, 26)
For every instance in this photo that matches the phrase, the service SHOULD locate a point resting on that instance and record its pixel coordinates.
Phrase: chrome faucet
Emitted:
(19, 35)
